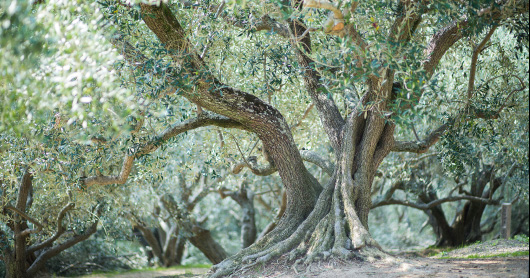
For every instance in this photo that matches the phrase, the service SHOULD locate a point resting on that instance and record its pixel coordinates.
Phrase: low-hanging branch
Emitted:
(204, 119)
(25, 216)
(434, 203)
(53, 251)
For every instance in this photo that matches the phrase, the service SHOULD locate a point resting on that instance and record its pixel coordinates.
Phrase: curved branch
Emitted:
(444, 39)
(25, 216)
(472, 112)
(147, 234)
(58, 233)
(49, 253)
(422, 206)
(474, 58)
(203, 119)
(423, 145)
(315, 158)
(328, 111)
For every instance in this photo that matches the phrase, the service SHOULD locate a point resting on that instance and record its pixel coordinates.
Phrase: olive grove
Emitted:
(327, 95)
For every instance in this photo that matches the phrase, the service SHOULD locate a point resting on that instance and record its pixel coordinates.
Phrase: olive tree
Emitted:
(391, 69)
(365, 66)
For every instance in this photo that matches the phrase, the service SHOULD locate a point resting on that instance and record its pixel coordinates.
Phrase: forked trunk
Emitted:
(338, 224)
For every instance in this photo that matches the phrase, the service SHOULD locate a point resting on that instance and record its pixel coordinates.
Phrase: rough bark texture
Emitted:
(250, 111)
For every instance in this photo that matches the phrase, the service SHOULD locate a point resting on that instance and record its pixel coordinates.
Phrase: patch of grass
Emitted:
(434, 250)
(112, 273)
(502, 255)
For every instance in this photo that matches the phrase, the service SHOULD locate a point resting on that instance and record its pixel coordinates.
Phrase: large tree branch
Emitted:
(470, 113)
(474, 59)
(24, 190)
(319, 161)
(260, 117)
(20, 227)
(25, 216)
(328, 111)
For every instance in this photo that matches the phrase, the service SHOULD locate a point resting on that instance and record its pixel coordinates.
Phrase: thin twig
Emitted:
(240, 152)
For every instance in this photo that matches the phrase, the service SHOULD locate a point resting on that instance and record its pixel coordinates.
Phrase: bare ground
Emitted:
(448, 264)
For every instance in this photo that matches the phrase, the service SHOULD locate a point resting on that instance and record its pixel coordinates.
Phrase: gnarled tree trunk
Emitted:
(318, 221)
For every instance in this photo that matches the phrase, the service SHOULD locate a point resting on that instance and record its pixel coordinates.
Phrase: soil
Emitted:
(453, 263)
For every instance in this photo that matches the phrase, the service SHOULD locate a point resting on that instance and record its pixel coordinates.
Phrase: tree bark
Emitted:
(202, 239)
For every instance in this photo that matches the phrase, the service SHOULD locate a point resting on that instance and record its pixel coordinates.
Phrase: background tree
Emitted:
(24, 255)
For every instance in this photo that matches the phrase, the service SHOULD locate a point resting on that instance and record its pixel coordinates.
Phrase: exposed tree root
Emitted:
(323, 234)
(337, 226)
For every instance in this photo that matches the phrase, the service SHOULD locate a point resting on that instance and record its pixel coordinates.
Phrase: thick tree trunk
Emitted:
(202, 239)
(338, 223)
(181, 244)
(334, 221)
(11, 268)
(168, 246)
(258, 116)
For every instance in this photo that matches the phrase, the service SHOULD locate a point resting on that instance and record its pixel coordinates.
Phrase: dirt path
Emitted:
(188, 272)
(516, 267)
(446, 265)
(423, 267)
